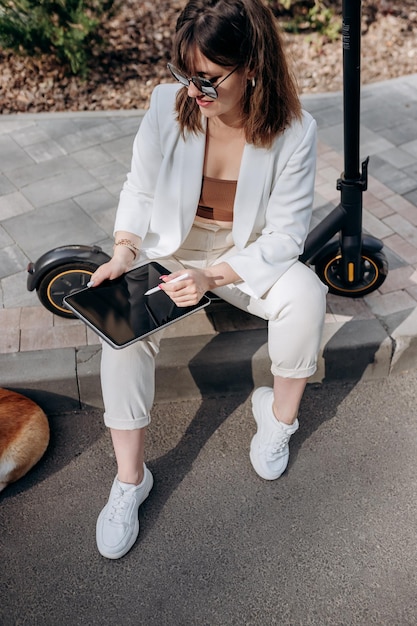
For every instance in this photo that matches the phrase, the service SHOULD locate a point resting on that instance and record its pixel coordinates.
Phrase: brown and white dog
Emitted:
(24, 435)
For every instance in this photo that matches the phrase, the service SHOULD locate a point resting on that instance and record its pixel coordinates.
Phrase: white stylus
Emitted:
(174, 280)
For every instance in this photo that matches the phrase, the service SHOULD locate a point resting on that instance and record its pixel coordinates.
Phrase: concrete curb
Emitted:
(216, 364)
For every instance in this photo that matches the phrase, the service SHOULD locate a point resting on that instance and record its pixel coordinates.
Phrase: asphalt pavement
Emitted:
(331, 543)
(60, 178)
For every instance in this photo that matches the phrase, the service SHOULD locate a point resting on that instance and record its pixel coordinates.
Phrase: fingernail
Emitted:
(90, 283)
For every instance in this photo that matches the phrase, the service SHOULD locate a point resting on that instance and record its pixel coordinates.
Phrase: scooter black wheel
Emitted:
(374, 267)
(62, 281)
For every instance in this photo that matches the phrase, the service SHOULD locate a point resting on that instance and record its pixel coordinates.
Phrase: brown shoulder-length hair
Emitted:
(239, 33)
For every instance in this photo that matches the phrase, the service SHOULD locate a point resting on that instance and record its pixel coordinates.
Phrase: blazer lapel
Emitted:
(254, 177)
(191, 176)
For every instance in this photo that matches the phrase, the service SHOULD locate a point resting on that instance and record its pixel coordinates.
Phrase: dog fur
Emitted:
(24, 435)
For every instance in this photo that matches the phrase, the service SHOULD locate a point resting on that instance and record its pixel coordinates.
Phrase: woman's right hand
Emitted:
(118, 265)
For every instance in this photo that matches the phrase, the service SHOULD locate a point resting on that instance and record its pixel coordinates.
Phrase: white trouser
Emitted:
(294, 307)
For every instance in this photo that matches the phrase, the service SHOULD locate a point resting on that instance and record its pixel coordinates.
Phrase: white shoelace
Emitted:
(274, 448)
(118, 505)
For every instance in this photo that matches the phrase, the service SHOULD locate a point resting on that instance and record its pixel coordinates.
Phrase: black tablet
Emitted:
(120, 312)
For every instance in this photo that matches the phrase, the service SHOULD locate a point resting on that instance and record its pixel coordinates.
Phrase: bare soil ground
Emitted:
(139, 44)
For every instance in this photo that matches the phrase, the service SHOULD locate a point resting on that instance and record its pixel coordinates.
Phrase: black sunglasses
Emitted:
(203, 84)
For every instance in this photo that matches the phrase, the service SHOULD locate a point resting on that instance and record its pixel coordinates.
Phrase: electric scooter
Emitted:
(351, 264)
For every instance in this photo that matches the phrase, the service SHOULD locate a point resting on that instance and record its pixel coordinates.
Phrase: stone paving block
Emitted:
(411, 170)
(413, 292)
(386, 304)
(23, 176)
(376, 115)
(322, 147)
(10, 317)
(410, 147)
(5, 239)
(96, 201)
(329, 192)
(378, 189)
(10, 330)
(67, 321)
(403, 248)
(354, 308)
(90, 135)
(119, 146)
(112, 171)
(403, 227)
(320, 180)
(404, 132)
(12, 261)
(335, 159)
(333, 136)
(6, 186)
(51, 338)
(55, 128)
(36, 317)
(318, 102)
(45, 151)
(30, 135)
(372, 143)
(14, 204)
(393, 259)
(12, 155)
(54, 225)
(402, 206)
(329, 116)
(319, 202)
(60, 187)
(129, 125)
(321, 212)
(400, 278)
(326, 159)
(411, 197)
(378, 228)
(9, 343)
(330, 174)
(377, 207)
(394, 177)
(15, 293)
(15, 123)
(105, 220)
(92, 157)
(397, 157)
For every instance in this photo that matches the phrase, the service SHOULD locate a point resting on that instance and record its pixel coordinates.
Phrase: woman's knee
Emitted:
(298, 292)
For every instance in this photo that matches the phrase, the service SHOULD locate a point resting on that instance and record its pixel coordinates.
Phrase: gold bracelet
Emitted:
(128, 244)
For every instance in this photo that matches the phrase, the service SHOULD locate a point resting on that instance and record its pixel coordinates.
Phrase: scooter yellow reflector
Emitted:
(351, 272)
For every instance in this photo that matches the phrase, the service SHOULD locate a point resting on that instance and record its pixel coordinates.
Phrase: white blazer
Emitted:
(273, 203)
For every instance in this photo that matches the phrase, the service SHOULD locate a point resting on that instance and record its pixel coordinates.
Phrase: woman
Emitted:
(221, 184)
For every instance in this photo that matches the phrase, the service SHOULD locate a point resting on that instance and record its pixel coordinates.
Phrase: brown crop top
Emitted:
(217, 199)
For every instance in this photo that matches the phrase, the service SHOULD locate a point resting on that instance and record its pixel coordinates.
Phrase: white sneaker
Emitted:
(269, 451)
(118, 525)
